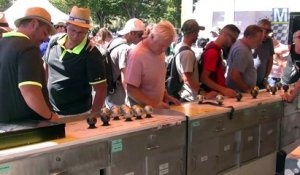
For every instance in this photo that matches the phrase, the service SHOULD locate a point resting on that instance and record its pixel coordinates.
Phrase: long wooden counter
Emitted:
(214, 139)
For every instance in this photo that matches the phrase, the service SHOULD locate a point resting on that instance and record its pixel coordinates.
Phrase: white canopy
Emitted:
(18, 9)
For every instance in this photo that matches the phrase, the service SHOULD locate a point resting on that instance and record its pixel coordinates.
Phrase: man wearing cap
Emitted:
(73, 71)
(145, 71)
(186, 62)
(22, 78)
(213, 70)
(3, 24)
(131, 34)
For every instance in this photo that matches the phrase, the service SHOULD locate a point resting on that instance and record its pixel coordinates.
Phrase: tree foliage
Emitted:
(114, 13)
(4, 4)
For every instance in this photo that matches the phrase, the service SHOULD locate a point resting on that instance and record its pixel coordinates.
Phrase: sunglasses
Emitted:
(267, 30)
(59, 26)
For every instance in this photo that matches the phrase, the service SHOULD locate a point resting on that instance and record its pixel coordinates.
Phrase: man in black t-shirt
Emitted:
(21, 69)
(73, 70)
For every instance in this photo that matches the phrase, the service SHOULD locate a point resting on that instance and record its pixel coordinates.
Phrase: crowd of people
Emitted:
(51, 71)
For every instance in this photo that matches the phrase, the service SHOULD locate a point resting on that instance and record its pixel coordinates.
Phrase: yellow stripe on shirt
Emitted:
(30, 83)
(97, 82)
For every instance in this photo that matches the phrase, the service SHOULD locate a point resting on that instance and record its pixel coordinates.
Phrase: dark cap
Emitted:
(190, 26)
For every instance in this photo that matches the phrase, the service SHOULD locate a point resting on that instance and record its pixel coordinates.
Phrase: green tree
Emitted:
(5, 4)
(114, 13)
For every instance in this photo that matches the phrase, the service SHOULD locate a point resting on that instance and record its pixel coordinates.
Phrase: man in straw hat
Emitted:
(73, 70)
(22, 77)
(132, 33)
(3, 24)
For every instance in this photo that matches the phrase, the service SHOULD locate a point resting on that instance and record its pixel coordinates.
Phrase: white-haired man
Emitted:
(145, 72)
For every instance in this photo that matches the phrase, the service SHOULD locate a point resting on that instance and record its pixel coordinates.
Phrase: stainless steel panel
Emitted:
(228, 153)
(136, 151)
(289, 129)
(247, 117)
(30, 166)
(270, 111)
(171, 162)
(290, 124)
(268, 137)
(202, 157)
(85, 159)
(249, 144)
(213, 126)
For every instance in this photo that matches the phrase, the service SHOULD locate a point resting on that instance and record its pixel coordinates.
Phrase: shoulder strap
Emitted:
(213, 47)
(182, 48)
(110, 49)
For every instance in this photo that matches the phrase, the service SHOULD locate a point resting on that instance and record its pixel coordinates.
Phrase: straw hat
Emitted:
(37, 13)
(132, 25)
(3, 23)
(80, 17)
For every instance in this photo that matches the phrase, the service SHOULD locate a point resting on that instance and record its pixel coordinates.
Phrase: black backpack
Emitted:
(173, 83)
(111, 84)
(200, 65)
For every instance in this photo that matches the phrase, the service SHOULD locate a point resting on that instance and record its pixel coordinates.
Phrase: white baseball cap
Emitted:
(132, 25)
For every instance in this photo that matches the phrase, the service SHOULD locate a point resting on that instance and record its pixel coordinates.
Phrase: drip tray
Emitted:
(15, 134)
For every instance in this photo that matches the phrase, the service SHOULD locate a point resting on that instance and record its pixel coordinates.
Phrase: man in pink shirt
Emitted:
(145, 72)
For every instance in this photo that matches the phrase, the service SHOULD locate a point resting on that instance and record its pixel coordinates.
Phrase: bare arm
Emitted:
(188, 79)
(238, 81)
(137, 95)
(100, 94)
(123, 72)
(269, 66)
(34, 98)
(213, 85)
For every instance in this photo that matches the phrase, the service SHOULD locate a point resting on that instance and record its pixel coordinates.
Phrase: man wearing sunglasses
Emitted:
(118, 48)
(213, 69)
(263, 55)
(291, 72)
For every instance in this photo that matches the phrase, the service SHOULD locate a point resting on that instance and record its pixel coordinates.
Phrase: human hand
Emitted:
(162, 105)
(172, 100)
(229, 92)
(286, 97)
(54, 118)
(210, 95)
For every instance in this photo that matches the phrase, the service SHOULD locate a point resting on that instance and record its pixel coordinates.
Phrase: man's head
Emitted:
(36, 24)
(78, 24)
(133, 31)
(161, 36)
(190, 29)
(296, 38)
(266, 26)
(253, 35)
(229, 33)
(3, 24)
(60, 27)
(215, 31)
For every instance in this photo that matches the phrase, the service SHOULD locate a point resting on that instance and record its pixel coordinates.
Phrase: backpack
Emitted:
(200, 65)
(111, 84)
(173, 83)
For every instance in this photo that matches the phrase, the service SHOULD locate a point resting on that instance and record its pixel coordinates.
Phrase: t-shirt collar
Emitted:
(75, 50)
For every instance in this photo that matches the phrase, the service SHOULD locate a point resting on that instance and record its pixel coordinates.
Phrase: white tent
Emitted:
(18, 9)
